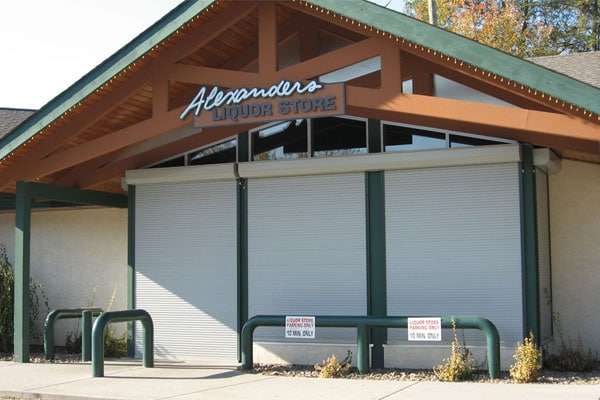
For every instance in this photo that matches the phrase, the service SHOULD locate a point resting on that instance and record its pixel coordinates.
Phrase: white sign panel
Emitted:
(425, 329)
(300, 327)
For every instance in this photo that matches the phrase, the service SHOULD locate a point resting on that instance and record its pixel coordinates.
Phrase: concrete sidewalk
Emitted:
(187, 382)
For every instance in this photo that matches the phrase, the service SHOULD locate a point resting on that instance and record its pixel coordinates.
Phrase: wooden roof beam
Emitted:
(333, 60)
(549, 129)
(213, 76)
(119, 139)
(91, 178)
(267, 39)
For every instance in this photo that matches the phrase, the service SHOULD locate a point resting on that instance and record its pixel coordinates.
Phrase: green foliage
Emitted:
(459, 366)
(527, 364)
(37, 300)
(526, 28)
(332, 368)
(114, 346)
(569, 357)
(73, 342)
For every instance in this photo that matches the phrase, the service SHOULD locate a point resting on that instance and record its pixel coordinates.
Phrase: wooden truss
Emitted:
(92, 162)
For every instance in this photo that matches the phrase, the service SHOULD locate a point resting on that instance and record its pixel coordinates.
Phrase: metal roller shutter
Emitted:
(186, 268)
(454, 246)
(307, 250)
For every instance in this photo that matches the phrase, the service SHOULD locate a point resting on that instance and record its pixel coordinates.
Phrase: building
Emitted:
(316, 158)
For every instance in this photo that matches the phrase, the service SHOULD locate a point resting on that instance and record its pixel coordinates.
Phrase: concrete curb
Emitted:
(24, 395)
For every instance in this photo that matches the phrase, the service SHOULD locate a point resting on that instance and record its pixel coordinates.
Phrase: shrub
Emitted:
(527, 364)
(114, 346)
(73, 342)
(459, 366)
(569, 358)
(37, 300)
(332, 368)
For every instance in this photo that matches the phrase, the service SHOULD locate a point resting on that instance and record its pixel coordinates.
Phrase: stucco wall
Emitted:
(78, 255)
(575, 241)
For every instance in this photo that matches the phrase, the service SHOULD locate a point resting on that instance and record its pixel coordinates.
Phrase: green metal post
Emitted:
(86, 335)
(376, 261)
(22, 275)
(121, 316)
(362, 353)
(376, 257)
(49, 335)
(131, 267)
(242, 257)
(529, 245)
(243, 153)
(374, 144)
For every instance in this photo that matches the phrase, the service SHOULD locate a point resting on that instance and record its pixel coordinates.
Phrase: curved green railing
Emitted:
(121, 316)
(85, 314)
(362, 323)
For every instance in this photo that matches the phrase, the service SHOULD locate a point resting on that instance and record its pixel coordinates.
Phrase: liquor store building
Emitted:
(321, 158)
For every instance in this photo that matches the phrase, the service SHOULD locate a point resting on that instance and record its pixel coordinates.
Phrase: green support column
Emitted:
(529, 243)
(131, 267)
(242, 256)
(376, 263)
(374, 144)
(376, 258)
(21, 291)
(243, 152)
(242, 238)
(27, 194)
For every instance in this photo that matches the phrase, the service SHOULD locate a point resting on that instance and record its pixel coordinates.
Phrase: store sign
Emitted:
(425, 329)
(301, 327)
(282, 101)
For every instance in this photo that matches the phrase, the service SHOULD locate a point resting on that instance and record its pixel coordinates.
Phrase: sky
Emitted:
(47, 45)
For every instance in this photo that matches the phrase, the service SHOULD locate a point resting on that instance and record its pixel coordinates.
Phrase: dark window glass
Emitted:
(403, 138)
(173, 162)
(282, 141)
(217, 154)
(465, 141)
(338, 137)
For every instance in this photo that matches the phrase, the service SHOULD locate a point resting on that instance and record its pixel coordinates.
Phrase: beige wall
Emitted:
(79, 256)
(575, 240)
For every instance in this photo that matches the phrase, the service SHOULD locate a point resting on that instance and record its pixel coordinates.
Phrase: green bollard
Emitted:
(86, 336)
(121, 316)
(362, 323)
(362, 353)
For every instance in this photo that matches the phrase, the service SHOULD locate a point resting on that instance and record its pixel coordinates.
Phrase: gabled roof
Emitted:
(581, 66)
(385, 21)
(12, 117)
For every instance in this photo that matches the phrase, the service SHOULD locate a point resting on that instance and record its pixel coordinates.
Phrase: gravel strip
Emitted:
(546, 376)
(60, 358)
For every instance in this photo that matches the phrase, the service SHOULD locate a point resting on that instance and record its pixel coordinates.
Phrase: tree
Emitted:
(525, 28)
